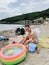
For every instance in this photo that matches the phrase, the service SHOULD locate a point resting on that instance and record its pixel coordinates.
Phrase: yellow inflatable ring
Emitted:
(44, 42)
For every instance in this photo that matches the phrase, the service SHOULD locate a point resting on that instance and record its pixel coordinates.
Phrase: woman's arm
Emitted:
(35, 41)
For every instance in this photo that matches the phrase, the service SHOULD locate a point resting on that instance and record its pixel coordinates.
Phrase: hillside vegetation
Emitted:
(28, 16)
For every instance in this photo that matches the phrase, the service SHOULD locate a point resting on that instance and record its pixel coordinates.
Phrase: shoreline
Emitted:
(43, 28)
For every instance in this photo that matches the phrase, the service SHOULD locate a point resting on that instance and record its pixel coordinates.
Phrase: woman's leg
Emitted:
(23, 40)
(27, 41)
(38, 48)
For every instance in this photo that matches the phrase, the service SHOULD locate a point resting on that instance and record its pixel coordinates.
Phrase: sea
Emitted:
(9, 26)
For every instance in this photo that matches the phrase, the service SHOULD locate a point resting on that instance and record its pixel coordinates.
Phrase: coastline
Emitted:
(43, 28)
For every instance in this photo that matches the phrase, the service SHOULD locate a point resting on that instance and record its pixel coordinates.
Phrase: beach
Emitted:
(32, 58)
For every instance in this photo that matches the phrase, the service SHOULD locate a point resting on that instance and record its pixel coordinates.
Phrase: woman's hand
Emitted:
(30, 40)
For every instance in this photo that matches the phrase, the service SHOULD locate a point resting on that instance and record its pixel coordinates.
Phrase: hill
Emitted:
(28, 16)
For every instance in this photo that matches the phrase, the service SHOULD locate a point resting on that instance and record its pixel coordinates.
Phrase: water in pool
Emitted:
(16, 50)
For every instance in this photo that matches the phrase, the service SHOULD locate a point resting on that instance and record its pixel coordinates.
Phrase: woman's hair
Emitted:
(27, 26)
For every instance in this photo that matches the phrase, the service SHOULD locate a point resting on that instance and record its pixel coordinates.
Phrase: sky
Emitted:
(9, 8)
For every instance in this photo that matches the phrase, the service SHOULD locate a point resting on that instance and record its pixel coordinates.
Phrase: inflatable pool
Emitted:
(13, 54)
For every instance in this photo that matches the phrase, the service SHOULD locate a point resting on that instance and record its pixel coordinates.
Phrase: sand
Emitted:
(32, 58)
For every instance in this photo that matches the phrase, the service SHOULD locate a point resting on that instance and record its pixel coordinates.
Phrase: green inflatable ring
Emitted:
(15, 62)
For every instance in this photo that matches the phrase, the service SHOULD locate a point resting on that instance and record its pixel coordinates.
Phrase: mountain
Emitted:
(28, 16)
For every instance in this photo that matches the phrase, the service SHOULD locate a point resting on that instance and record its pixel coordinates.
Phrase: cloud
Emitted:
(5, 11)
(10, 8)
(6, 2)
(23, 4)
(33, 6)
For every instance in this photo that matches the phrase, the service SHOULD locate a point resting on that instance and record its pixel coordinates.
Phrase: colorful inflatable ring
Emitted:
(43, 42)
(9, 54)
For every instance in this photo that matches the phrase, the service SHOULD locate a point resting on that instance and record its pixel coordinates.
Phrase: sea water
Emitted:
(9, 26)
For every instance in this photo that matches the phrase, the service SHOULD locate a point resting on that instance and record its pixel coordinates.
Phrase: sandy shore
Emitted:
(32, 58)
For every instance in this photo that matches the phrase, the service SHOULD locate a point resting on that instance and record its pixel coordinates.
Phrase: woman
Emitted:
(30, 39)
